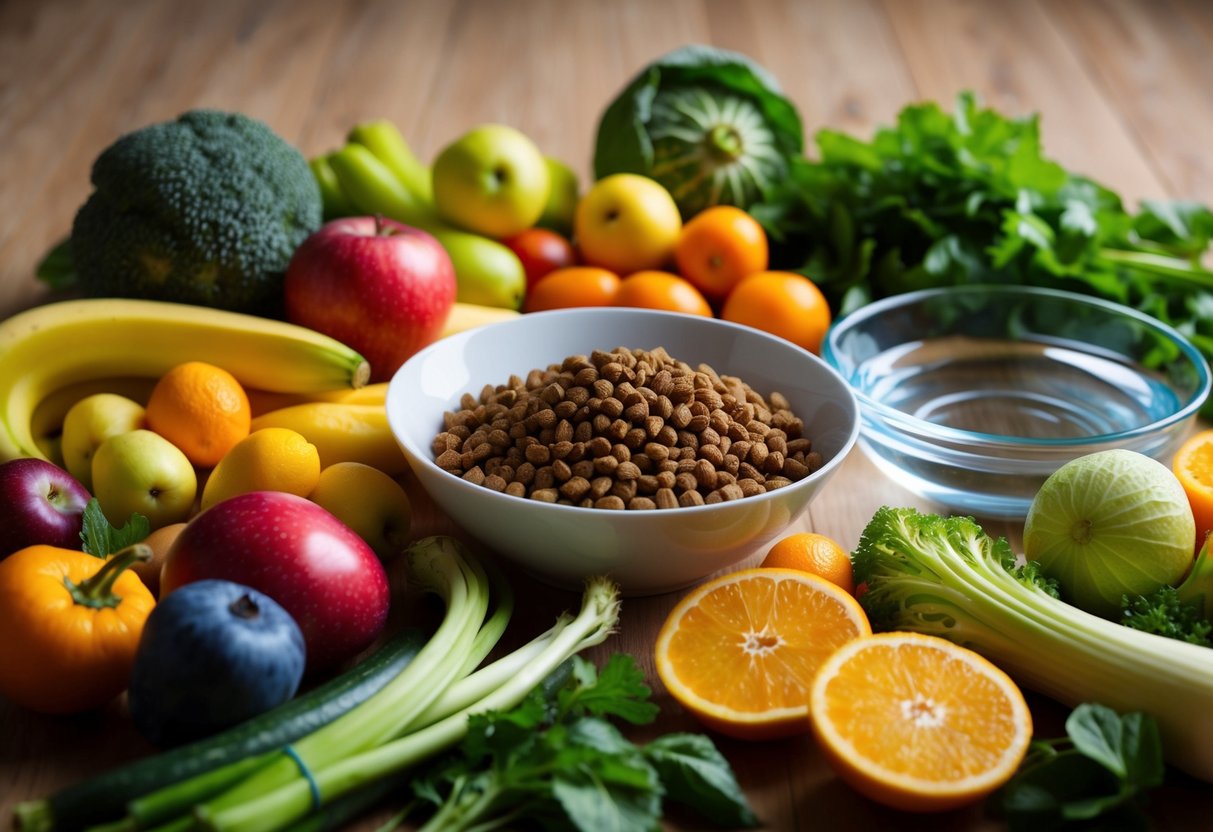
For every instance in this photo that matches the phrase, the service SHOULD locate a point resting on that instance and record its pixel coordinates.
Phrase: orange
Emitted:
(201, 409)
(627, 223)
(813, 553)
(918, 723)
(661, 290)
(782, 303)
(740, 652)
(1193, 466)
(720, 246)
(573, 286)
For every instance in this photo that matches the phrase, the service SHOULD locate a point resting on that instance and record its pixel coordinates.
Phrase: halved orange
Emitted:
(918, 723)
(1193, 466)
(740, 652)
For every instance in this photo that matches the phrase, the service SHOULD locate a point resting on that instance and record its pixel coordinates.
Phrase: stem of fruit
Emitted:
(98, 591)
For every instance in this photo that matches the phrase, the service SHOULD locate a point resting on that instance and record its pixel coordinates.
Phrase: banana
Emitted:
(466, 316)
(382, 138)
(341, 433)
(50, 347)
(262, 401)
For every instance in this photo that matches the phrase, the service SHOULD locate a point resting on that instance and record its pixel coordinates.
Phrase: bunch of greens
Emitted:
(1098, 773)
(940, 200)
(556, 762)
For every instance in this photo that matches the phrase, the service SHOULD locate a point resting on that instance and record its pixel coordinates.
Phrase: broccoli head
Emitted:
(207, 209)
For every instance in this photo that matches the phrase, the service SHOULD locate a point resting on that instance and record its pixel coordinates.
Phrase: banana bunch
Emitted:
(51, 356)
(377, 173)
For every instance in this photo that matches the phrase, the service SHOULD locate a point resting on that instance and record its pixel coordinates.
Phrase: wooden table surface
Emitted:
(1123, 89)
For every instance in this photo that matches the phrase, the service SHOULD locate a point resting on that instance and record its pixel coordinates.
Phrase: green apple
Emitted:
(492, 180)
(562, 198)
(141, 471)
(487, 272)
(370, 502)
(91, 421)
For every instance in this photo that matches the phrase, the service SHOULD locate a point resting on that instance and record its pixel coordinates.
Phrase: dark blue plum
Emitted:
(213, 654)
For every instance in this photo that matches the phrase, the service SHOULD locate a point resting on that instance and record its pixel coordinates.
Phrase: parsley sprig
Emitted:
(558, 763)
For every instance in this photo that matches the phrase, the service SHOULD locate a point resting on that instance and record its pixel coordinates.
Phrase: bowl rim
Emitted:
(451, 341)
(923, 428)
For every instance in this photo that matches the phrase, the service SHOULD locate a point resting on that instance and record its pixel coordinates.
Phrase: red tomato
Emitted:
(541, 251)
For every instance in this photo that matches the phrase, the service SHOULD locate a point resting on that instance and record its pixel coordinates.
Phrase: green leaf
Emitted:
(618, 689)
(697, 775)
(57, 269)
(597, 804)
(100, 539)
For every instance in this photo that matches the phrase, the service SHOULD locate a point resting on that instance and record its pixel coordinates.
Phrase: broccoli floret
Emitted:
(207, 209)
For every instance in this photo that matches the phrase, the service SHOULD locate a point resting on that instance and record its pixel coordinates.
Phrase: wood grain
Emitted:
(1122, 88)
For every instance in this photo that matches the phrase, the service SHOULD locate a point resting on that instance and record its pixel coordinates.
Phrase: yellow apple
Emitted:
(370, 502)
(627, 223)
(90, 422)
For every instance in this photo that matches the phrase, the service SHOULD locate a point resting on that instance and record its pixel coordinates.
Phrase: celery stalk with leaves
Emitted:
(946, 577)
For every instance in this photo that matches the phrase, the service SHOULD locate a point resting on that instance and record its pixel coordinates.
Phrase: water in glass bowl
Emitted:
(1029, 389)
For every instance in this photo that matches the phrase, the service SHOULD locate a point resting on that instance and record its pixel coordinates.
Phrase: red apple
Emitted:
(297, 553)
(40, 503)
(381, 287)
(541, 251)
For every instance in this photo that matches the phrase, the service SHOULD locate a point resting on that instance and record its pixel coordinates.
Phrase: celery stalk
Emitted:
(285, 805)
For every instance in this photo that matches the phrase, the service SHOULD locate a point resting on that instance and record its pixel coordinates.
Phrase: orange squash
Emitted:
(69, 626)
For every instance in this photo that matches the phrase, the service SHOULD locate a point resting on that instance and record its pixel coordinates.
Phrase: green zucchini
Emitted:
(106, 796)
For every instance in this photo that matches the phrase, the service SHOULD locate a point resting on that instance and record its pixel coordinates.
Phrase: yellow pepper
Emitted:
(69, 626)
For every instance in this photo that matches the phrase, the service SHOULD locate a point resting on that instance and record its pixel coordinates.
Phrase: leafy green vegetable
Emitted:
(102, 539)
(1177, 612)
(558, 761)
(710, 125)
(940, 200)
(1100, 770)
(946, 577)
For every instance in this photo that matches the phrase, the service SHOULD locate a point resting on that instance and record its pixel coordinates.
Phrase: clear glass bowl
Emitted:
(971, 396)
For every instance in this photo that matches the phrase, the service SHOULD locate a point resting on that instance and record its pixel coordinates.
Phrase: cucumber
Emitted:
(105, 797)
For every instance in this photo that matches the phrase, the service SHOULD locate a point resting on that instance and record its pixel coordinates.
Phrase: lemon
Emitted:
(269, 459)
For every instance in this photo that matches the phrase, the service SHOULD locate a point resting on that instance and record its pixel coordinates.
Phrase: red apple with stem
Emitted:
(294, 551)
(374, 284)
(40, 503)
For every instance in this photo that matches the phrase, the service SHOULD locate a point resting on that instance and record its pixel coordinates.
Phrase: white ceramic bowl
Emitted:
(646, 551)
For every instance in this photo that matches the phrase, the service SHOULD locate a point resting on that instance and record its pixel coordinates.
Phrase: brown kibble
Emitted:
(574, 488)
(665, 499)
(690, 498)
(794, 469)
(625, 429)
(627, 471)
(751, 488)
